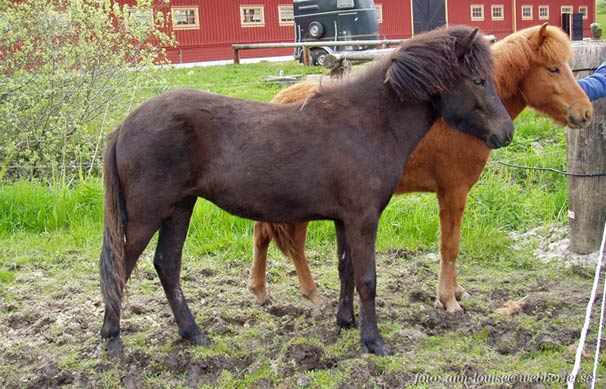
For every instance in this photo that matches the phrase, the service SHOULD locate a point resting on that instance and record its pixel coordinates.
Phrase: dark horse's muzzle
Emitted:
(501, 138)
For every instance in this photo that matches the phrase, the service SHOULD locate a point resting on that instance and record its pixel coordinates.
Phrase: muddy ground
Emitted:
(51, 316)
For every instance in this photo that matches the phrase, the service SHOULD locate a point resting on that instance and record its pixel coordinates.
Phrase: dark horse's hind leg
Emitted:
(345, 312)
(139, 236)
(167, 262)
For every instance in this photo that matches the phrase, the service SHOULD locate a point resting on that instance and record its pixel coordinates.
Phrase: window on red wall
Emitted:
(185, 18)
(379, 8)
(543, 12)
(140, 17)
(584, 11)
(527, 12)
(252, 16)
(286, 15)
(477, 12)
(497, 12)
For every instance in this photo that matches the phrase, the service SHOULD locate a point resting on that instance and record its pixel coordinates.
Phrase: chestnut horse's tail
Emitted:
(281, 233)
(112, 262)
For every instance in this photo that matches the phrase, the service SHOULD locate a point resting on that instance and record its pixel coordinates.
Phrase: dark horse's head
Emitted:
(453, 68)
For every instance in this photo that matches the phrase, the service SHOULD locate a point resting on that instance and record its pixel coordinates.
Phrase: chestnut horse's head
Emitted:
(532, 65)
(452, 67)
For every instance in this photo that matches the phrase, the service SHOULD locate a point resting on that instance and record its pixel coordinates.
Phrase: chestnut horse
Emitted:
(531, 70)
(339, 156)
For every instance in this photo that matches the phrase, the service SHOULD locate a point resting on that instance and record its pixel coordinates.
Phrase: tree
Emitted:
(65, 68)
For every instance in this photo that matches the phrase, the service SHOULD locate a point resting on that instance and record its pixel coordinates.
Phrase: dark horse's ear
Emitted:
(537, 39)
(464, 46)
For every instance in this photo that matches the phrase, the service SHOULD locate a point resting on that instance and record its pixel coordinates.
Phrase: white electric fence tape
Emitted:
(581, 347)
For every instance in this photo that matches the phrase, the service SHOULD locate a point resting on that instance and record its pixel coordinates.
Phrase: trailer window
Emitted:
(345, 4)
(251, 16)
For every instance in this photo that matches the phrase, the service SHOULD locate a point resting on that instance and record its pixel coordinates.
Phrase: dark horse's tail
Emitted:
(111, 263)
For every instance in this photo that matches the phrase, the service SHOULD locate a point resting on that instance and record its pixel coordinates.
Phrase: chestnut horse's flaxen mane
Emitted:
(515, 54)
(406, 71)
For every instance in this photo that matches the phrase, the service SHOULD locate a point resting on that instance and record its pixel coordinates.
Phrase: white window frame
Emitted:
(476, 7)
(584, 10)
(495, 7)
(282, 21)
(252, 23)
(546, 8)
(140, 17)
(196, 14)
(526, 7)
(379, 8)
(566, 9)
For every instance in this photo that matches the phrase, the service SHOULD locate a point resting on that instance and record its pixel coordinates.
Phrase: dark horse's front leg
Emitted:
(360, 238)
(345, 312)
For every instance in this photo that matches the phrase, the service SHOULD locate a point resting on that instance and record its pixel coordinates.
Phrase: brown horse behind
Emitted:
(531, 70)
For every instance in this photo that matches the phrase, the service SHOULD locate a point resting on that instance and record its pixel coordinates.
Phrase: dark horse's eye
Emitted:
(553, 69)
(479, 81)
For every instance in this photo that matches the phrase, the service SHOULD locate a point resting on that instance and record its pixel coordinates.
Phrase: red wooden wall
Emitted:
(461, 14)
(397, 19)
(220, 28)
(220, 25)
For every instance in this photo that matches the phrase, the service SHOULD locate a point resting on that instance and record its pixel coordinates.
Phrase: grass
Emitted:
(54, 230)
(601, 16)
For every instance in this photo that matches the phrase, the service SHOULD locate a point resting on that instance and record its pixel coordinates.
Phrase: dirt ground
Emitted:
(50, 329)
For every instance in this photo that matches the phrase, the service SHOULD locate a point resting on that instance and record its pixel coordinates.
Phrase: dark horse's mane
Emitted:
(406, 70)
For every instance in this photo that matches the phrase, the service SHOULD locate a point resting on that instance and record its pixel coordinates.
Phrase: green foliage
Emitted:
(38, 207)
(63, 66)
(601, 15)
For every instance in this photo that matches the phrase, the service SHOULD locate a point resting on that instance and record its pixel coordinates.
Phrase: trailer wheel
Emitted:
(316, 29)
(318, 56)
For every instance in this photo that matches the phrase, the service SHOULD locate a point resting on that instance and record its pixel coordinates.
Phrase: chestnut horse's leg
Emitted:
(290, 240)
(345, 312)
(452, 206)
(293, 245)
(167, 262)
(256, 282)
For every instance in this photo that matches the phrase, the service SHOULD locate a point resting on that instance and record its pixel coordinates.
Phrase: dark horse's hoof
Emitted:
(197, 338)
(201, 340)
(346, 323)
(114, 347)
(375, 347)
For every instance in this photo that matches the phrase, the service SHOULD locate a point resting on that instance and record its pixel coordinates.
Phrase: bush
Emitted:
(63, 66)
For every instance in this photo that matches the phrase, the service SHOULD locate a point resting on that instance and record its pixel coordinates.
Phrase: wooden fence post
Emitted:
(306, 56)
(586, 154)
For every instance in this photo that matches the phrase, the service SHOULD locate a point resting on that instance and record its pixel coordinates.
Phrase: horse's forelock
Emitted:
(427, 66)
(555, 47)
(479, 59)
(423, 67)
(515, 55)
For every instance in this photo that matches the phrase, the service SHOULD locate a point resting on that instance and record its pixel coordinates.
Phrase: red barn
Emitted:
(205, 30)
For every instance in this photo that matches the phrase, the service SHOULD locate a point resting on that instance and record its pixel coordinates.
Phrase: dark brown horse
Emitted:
(531, 70)
(338, 156)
